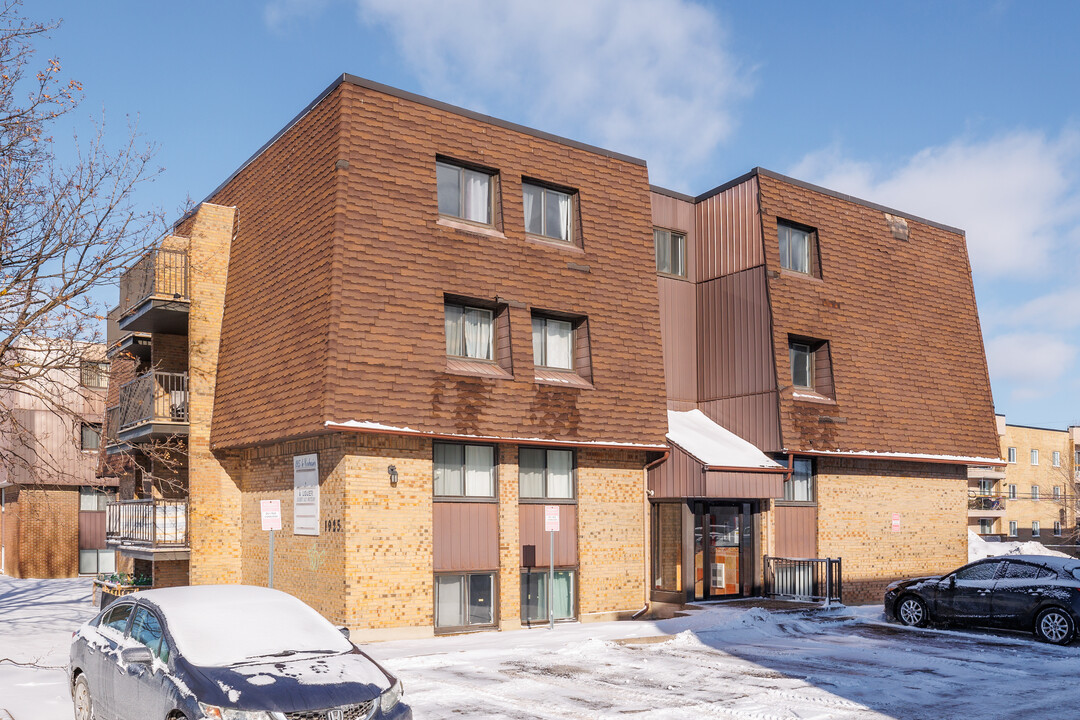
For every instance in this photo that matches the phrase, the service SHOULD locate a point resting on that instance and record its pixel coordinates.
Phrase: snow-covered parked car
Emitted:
(1039, 593)
(224, 652)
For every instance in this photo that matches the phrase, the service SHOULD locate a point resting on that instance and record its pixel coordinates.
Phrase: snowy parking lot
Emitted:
(724, 661)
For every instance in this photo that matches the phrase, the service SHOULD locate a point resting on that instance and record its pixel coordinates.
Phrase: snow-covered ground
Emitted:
(724, 661)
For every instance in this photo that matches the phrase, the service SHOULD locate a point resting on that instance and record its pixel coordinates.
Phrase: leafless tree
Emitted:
(66, 229)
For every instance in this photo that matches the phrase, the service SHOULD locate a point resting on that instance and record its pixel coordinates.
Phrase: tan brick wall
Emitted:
(214, 517)
(170, 573)
(47, 522)
(1025, 509)
(856, 502)
(509, 577)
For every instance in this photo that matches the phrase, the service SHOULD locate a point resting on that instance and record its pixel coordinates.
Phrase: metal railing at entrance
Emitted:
(812, 579)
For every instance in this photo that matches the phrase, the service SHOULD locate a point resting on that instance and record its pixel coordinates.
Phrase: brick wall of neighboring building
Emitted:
(857, 500)
(170, 573)
(1025, 509)
(47, 522)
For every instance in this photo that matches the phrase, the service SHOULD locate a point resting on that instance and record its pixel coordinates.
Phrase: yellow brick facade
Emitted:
(1035, 483)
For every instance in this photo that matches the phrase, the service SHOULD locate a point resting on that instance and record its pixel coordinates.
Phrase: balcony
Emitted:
(132, 343)
(148, 529)
(984, 472)
(154, 404)
(154, 294)
(986, 506)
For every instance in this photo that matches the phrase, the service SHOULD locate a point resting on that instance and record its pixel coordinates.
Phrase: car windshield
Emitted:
(215, 626)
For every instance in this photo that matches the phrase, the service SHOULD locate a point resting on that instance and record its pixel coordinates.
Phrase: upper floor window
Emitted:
(93, 374)
(1012, 492)
(800, 486)
(670, 252)
(547, 474)
(1034, 457)
(91, 436)
(464, 193)
(553, 342)
(1034, 492)
(548, 212)
(796, 247)
(1012, 455)
(802, 365)
(811, 367)
(1055, 458)
(1057, 492)
(470, 332)
(464, 470)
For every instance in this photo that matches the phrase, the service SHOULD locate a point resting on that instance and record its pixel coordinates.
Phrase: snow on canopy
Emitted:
(979, 548)
(220, 625)
(712, 444)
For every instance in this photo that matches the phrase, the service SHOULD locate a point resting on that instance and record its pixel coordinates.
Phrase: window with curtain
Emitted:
(796, 246)
(548, 212)
(670, 252)
(464, 599)
(800, 486)
(545, 474)
(553, 343)
(464, 193)
(534, 595)
(464, 470)
(470, 332)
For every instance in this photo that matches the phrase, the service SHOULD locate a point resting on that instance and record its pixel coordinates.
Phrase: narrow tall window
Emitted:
(796, 247)
(1057, 492)
(802, 365)
(464, 193)
(1012, 492)
(1012, 528)
(547, 474)
(800, 486)
(1034, 492)
(1034, 457)
(1034, 528)
(1057, 528)
(1012, 455)
(548, 212)
(1056, 458)
(470, 332)
(553, 343)
(464, 470)
(670, 252)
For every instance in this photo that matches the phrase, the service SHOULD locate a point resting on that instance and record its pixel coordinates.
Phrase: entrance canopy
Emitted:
(713, 446)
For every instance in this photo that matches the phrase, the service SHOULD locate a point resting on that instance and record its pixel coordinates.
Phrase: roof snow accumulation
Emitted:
(712, 444)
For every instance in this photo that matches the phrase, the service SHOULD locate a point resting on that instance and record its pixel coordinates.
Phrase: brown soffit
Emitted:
(808, 186)
(420, 99)
(932, 459)
(495, 439)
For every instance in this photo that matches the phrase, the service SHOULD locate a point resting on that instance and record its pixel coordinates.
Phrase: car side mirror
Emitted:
(137, 655)
(345, 631)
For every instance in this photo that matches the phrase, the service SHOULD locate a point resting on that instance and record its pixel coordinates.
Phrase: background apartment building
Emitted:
(1033, 496)
(840, 338)
(52, 507)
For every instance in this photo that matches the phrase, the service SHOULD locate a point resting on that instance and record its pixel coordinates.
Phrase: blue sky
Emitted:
(962, 112)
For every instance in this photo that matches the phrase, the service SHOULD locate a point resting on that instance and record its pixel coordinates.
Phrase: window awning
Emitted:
(715, 447)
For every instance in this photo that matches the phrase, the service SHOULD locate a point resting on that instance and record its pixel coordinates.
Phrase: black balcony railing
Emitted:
(986, 502)
(814, 579)
(160, 273)
(156, 397)
(147, 523)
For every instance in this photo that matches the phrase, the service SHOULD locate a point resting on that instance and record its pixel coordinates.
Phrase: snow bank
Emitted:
(979, 548)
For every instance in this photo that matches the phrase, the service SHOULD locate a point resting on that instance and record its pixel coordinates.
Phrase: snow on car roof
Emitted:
(218, 625)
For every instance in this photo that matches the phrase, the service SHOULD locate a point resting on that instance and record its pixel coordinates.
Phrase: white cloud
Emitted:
(649, 78)
(1033, 364)
(278, 13)
(1017, 196)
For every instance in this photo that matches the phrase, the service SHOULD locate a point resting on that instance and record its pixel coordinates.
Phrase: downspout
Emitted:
(645, 530)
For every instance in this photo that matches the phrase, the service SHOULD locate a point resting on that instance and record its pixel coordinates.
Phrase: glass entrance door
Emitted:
(717, 550)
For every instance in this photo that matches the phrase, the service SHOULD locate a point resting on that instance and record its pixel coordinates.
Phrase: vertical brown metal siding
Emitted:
(796, 531)
(754, 418)
(729, 232)
(92, 530)
(465, 536)
(532, 534)
(678, 329)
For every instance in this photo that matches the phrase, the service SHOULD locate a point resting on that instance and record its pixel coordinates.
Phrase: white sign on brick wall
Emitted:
(306, 494)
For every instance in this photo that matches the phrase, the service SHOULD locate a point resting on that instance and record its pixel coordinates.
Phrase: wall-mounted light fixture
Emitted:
(393, 475)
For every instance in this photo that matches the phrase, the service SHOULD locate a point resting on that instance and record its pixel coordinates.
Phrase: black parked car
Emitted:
(1021, 592)
(224, 652)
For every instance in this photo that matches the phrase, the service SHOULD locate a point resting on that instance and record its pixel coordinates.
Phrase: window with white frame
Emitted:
(1034, 528)
(464, 470)
(545, 473)
(799, 487)
(1055, 458)
(1057, 528)
(548, 212)
(464, 599)
(1057, 492)
(986, 526)
(796, 247)
(1034, 492)
(553, 342)
(802, 365)
(470, 332)
(1012, 455)
(1012, 492)
(464, 193)
(670, 252)
(1034, 457)
(1012, 528)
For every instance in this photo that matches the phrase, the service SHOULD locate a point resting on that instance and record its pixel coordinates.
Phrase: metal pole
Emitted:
(271, 558)
(828, 582)
(551, 581)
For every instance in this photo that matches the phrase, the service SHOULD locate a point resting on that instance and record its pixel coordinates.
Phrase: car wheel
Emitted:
(1054, 625)
(911, 611)
(84, 703)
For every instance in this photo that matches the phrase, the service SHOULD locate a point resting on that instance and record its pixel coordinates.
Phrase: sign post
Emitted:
(271, 520)
(551, 524)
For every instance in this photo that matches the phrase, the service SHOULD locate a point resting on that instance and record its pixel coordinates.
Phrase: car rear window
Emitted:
(1047, 573)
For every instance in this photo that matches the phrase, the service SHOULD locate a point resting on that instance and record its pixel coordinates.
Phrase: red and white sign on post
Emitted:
(271, 514)
(896, 522)
(551, 518)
